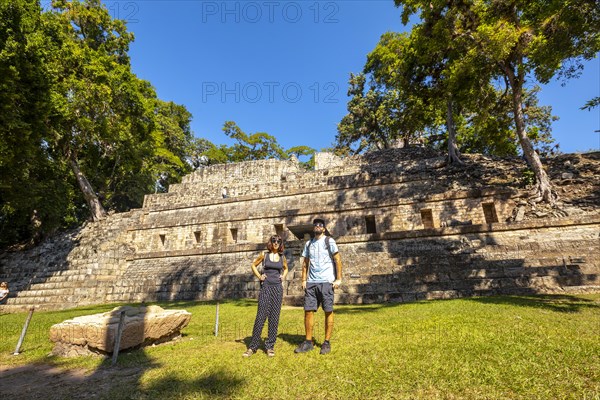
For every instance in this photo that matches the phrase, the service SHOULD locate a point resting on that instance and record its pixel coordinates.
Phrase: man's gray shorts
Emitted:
(318, 294)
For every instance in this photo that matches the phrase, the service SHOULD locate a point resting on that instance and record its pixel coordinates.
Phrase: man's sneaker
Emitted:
(325, 347)
(248, 353)
(304, 347)
(271, 352)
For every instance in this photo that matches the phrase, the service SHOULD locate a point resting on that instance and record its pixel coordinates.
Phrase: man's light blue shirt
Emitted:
(321, 265)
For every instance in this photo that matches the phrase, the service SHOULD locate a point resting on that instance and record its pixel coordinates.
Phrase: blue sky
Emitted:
(282, 67)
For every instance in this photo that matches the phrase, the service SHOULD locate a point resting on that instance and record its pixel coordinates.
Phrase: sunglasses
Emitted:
(318, 224)
(275, 240)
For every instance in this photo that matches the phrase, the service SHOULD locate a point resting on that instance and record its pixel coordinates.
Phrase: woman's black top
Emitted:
(272, 270)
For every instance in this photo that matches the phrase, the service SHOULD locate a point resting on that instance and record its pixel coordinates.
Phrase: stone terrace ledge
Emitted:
(421, 233)
(168, 201)
(308, 211)
(273, 178)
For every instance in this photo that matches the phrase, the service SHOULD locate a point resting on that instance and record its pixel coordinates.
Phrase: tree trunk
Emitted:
(543, 191)
(96, 210)
(406, 142)
(453, 153)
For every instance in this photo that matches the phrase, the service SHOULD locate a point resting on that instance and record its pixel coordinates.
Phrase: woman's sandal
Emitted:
(248, 353)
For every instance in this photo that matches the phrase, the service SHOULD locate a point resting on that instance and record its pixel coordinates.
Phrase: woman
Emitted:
(3, 291)
(272, 278)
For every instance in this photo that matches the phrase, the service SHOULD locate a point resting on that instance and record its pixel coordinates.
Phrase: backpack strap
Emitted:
(308, 249)
(327, 240)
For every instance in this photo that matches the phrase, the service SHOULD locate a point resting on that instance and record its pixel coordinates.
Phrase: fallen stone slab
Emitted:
(95, 334)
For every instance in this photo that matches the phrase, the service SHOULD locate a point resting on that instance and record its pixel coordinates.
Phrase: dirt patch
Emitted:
(40, 381)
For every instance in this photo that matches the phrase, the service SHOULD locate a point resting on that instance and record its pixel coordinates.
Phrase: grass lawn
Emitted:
(510, 347)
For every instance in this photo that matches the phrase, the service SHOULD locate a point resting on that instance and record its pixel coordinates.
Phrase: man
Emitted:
(321, 274)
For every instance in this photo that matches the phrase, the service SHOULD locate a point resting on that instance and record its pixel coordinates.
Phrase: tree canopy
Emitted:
(468, 70)
(246, 147)
(78, 130)
(517, 42)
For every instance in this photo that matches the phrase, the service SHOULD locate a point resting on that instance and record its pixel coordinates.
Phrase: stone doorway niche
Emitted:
(279, 230)
(489, 212)
(427, 218)
(370, 223)
(301, 232)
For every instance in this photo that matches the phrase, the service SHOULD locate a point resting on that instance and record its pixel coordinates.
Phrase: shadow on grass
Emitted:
(291, 338)
(50, 380)
(238, 302)
(363, 308)
(215, 384)
(246, 341)
(556, 303)
(56, 377)
(551, 302)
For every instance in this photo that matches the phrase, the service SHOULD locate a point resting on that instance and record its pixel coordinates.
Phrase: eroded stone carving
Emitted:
(95, 334)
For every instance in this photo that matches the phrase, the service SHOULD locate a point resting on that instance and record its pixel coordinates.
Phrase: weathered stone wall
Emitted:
(345, 210)
(407, 229)
(523, 258)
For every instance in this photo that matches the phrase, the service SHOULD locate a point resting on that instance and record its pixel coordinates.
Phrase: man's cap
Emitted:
(319, 220)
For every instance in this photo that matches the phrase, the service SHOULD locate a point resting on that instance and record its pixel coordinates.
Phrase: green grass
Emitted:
(538, 347)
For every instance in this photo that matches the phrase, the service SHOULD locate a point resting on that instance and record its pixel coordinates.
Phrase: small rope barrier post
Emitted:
(118, 338)
(217, 321)
(23, 332)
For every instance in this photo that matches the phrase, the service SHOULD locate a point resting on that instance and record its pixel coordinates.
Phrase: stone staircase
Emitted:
(73, 268)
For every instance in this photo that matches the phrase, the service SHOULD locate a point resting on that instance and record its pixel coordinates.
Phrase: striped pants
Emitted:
(269, 306)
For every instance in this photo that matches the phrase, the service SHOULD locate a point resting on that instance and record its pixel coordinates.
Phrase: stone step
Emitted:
(54, 285)
(45, 292)
(41, 274)
(13, 308)
(75, 275)
(65, 299)
(23, 301)
(43, 289)
(41, 286)
(21, 308)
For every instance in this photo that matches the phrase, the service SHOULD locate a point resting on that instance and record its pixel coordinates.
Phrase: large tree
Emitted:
(372, 121)
(118, 138)
(419, 66)
(386, 108)
(91, 90)
(520, 41)
(448, 73)
(420, 85)
(33, 193)
(78, 130)
(380, 117)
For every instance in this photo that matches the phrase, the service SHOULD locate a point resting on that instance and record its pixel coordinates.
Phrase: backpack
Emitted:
(327, 240)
